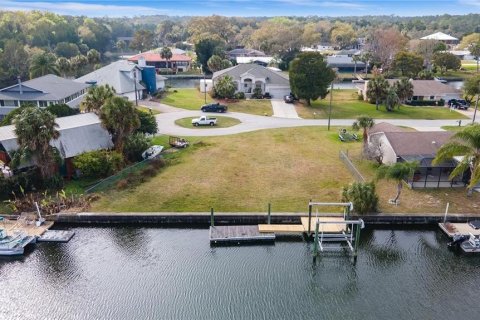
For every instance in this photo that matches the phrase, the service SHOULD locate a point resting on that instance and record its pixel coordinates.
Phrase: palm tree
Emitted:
(120, 118)
(43, 64)
(35, 128)
(465, 143)
(398, 172)
(365, 123)
(404, 90)
(63, 66)
(391, 100)
(355, 59)
(93, 56)
(377, 89)
(475, 51)
(78, 62)
(96, 97)
(166, 54)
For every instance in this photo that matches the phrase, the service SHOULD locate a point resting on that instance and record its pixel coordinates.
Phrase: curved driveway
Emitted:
(166, 122)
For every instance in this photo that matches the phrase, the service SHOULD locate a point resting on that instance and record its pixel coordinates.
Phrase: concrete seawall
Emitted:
(246, 218)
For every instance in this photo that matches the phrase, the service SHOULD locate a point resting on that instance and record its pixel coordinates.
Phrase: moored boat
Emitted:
(471, 245)
(12, 245)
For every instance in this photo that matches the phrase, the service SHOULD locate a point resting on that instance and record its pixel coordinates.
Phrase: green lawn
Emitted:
(222, 122)
(346, 105)
(192, 99)
(237, 173)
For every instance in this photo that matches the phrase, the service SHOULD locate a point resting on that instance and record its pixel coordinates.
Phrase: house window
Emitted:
(42, 104)
(432, 97)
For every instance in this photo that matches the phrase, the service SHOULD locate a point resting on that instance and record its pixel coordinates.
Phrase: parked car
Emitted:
(458, 104)
(204, 121)
(214, 107)
(290, 98)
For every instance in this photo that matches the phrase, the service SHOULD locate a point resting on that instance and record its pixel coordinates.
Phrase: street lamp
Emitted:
(135, 84)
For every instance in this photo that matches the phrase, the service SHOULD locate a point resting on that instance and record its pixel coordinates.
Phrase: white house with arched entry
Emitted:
(247, 77)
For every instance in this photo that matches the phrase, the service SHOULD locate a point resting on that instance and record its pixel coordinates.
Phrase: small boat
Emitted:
(471, 245)
(15, 244)
(152, 152)
(457, 240)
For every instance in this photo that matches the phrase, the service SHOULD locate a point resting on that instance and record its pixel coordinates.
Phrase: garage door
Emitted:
(278, 93)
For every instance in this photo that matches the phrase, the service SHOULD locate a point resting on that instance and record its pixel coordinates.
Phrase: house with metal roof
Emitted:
(442, 37)
(42, 92)
(128, 79)
(249, 76)
(78, 134)
(398, 145)
(345, 62)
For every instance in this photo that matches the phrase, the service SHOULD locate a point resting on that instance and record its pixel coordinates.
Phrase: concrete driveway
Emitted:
(284, 110)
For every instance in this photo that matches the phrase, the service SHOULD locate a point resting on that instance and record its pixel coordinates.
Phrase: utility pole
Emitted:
(330, 107)
(135, 84)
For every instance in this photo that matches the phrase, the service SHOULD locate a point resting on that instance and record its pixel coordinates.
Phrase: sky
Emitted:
(332, 8)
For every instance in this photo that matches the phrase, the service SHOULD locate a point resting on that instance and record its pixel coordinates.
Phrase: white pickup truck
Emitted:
(204, 121)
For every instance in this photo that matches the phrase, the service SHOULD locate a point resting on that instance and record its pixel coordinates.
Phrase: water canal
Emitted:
(149, 273)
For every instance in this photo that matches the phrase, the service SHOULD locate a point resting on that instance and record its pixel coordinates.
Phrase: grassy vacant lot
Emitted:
(192, 99)
(245, 172)
(419, 201)
(222, 122)
(347, 106)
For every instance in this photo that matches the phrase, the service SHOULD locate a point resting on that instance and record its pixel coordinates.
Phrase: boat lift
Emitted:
(335, 229)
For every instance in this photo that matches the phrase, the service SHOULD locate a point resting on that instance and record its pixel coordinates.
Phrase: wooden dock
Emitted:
(329, 227)
(452, 229)
(238, 235)
(28, 227)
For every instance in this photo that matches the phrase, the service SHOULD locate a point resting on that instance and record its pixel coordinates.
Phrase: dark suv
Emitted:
(214, 107)
(458, 104)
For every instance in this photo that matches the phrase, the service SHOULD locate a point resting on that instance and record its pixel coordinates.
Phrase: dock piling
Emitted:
(269, 213)
(309, 217)
(315, 241)
(212, 222)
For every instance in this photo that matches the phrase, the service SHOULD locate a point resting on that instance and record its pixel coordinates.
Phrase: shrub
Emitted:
(148, 123)
(362, 195)
(19, 183)
(158, 163)
(422, 103)
(257, 93)
(62, 110)
(135, 145)
(239, 95)
(441, 102)
(98, 164)
(122, 184)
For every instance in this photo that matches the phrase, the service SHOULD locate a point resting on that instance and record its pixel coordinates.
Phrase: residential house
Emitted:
(243, 52)
(423, 90)
(442, 37)
(178, 62)
(42, 92)
(398, 145)
(250, 76)
(345, 63)
(262, 61)
(78, 134)
(126, 78)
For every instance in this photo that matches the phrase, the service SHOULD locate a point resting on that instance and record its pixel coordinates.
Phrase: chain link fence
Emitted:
(350, 166)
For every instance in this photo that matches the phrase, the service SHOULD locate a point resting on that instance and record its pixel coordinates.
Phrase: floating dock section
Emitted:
(56, 236)
(238, 235)
(456, 229)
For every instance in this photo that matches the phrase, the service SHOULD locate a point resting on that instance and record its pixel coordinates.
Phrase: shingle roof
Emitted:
(429, 88)
(78, 134)
(246, 52)
(48, 88)
(417, 143)
(384, 127)
(255, 70)
(116, 74)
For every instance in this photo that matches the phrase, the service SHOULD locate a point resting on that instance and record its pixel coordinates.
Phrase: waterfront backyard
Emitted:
(284, 167)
